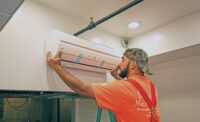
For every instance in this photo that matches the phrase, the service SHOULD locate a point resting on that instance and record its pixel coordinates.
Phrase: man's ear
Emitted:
(133, 65)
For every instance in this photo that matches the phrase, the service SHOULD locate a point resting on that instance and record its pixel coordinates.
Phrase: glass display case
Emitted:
(21, 106)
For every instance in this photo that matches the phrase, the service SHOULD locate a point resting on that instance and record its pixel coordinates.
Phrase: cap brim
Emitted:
(145, 69)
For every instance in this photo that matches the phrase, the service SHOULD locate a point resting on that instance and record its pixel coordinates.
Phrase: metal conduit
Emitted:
(94, 24)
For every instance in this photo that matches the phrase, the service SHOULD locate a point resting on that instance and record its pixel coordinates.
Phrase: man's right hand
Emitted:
(115, 73)
(53, 61)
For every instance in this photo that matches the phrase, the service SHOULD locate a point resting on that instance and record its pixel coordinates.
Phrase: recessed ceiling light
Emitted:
(133, 25)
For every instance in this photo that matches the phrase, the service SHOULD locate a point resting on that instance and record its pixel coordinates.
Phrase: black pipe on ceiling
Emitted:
(94, 24)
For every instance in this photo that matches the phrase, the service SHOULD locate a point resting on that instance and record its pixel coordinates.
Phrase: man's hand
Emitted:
(115, 74)
(53, 61)
(72, 81)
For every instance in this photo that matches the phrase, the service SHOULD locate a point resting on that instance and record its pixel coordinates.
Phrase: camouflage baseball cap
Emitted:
(141, 57)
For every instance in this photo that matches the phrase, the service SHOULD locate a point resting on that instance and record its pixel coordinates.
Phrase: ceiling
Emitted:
(7, 9)
(150, 13)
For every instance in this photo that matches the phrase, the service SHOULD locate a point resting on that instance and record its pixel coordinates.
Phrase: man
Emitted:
(122, 96)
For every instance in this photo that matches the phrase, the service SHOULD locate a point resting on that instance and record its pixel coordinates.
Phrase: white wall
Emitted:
(180, 110)
(179, 34)
(176, 72)
(22, 44)
(178, 84)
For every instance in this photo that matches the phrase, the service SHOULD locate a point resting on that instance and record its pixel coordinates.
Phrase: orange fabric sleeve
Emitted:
(106, 95)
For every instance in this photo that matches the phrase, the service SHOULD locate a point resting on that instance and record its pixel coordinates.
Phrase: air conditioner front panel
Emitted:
(85, 58)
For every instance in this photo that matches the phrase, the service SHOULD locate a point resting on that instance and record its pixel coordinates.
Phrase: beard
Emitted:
(124, 73)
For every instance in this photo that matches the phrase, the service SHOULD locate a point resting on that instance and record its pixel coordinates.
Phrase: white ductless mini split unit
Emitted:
(81, 54)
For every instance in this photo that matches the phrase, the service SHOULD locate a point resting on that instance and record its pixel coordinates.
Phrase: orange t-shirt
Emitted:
(124, 100)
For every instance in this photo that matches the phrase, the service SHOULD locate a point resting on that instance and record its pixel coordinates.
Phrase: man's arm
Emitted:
(73, 82)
